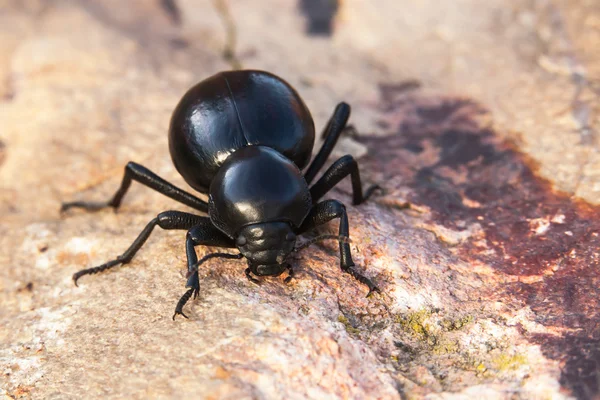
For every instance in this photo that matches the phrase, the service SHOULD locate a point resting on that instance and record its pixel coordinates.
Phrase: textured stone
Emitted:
(479, 119)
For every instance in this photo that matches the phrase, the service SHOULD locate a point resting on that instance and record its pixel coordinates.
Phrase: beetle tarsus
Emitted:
(372, 189)
(362, 279)
(86, 205)
(179, 313)
(95, 270)
(182, 301)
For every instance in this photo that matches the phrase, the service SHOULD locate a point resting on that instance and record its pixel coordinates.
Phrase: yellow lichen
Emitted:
(446, 347)
(415, 323)
(434, 333)
(349, 328)
(507, 362)
(456, 324)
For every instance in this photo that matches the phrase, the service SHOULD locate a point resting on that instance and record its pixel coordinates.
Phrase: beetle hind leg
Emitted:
(141, 174)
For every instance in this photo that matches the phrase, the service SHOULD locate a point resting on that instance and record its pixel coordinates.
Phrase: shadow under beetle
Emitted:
(243, 137)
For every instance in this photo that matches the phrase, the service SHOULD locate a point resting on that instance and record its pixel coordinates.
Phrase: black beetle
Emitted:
(243, 137)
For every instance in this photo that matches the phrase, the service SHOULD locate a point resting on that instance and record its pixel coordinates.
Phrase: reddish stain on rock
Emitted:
(466, 174)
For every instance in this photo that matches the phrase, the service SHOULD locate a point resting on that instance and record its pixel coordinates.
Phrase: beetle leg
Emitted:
(248, 273)
(184, 299)
(343, 167)
(203, 233)
(165, 220)
(290, 276)
(331, 134)
(326, 211)
(143, 175)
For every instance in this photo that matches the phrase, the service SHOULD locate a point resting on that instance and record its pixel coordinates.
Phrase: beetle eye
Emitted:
(241, 240)
(290, 236)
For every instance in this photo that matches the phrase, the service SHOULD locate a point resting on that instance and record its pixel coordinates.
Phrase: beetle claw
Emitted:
(372, 290)
(371, 190)
(179, 313)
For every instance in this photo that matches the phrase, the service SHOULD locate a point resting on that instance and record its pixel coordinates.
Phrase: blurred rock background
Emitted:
(479, 118)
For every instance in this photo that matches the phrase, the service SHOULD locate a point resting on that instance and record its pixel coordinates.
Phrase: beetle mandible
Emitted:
(243, 137)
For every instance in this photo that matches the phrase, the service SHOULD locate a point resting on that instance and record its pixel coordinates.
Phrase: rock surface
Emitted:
(479, 118)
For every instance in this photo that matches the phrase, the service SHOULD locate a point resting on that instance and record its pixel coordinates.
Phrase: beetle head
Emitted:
(266, 246)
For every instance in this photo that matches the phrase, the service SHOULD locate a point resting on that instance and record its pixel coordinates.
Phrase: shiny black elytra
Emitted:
(243, 137)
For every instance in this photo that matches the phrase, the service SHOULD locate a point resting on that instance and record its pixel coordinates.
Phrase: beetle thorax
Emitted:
(258, 185)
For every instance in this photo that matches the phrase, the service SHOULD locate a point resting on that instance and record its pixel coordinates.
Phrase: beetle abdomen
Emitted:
(234, 109)
(258, 184)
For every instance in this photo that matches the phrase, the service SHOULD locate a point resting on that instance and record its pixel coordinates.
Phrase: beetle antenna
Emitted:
(213, 255)
(320, 238)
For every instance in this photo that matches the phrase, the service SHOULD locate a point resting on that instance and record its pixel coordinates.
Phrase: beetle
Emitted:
(243, 138)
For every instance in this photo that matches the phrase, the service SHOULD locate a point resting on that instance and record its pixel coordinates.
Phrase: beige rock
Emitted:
(485, 293)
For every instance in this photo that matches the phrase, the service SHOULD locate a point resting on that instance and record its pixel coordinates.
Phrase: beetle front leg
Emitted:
(166, 220)
(290, 276)
(203, 234)
(324, 212)
(248, 273)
